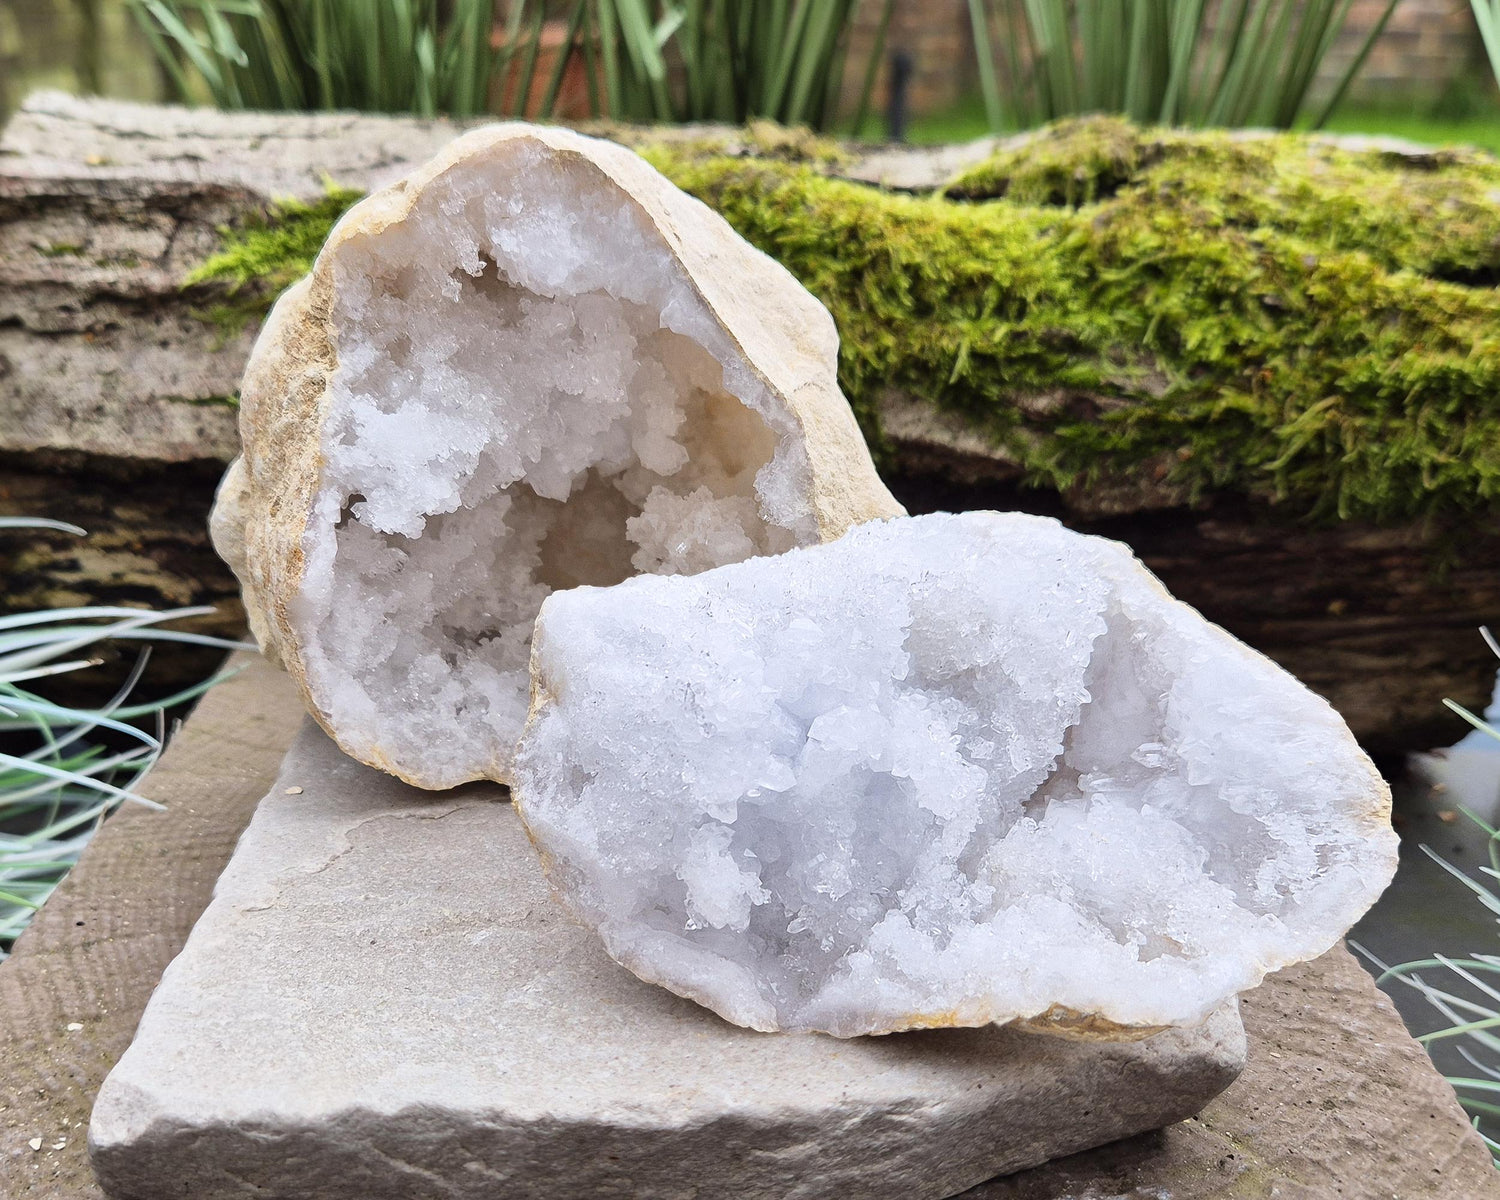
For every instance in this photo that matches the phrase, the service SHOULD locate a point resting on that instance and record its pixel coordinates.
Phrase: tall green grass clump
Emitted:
(727, 60)
(1164, 62)
(639, 60)
(411, 56)
(62, 769)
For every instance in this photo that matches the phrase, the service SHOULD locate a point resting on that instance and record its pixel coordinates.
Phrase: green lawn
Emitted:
(1435, 131)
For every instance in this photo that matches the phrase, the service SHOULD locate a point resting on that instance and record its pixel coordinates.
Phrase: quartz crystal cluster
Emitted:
(946, 770)
(812, 768)
(533, 364)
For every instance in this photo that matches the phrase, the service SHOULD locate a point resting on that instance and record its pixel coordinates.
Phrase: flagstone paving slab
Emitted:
(383, 1000)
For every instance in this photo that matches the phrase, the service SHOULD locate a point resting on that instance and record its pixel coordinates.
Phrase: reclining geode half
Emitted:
(948, 770)
(531, 364)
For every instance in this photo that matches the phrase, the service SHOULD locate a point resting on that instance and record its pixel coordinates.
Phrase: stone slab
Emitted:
(1337, 1102)
(1336, 1099)
(384, 1001)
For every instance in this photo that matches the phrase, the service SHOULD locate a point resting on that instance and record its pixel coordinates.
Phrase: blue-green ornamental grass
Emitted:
(54, 794)
(1469, 997)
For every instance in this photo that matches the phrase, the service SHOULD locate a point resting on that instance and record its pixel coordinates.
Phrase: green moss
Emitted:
(1437, 212)
(758, 139)
(1144, 331)
(1070, 163)
(1267, 316)
(60, 250)
(229, 401)
(266, 253)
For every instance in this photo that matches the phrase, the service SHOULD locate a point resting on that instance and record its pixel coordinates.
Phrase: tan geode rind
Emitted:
(785, 335)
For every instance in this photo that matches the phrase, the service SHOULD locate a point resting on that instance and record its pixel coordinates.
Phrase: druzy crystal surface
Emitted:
(943, 771)
(529, 395)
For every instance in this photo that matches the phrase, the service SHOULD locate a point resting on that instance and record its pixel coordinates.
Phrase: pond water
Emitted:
(76, 45)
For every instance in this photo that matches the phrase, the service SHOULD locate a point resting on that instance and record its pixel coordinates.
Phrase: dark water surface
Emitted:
(1426, 911)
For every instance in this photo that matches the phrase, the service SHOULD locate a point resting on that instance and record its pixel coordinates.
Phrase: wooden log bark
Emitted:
(147, 545)
(1382, 620)
(116, 395)
(114, 412)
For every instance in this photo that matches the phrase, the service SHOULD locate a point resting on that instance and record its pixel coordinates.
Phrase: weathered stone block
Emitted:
(383, 1001)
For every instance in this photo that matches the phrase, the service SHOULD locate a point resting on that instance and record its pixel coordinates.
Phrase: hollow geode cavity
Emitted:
(532, 364)
(947, 770)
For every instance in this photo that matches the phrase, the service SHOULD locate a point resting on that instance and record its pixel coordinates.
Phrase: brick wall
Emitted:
(1426, 45)
(937, 35)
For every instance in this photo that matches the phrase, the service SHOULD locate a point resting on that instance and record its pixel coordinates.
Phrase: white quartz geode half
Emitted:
(533, 363)
(947, 770)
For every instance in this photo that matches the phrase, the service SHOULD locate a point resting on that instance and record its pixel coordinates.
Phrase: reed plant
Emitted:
(411, 56)
(1487, 17)
(640, 60)
(729, 60)
(1167, 62)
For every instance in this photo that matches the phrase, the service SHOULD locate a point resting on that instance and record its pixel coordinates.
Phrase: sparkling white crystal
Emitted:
(946, 770)
(530, 394)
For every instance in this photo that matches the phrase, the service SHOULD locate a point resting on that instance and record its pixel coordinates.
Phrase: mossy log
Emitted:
(1269, 363)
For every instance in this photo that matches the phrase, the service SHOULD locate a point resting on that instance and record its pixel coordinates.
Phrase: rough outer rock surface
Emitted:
(386, 451)
(382, 1001)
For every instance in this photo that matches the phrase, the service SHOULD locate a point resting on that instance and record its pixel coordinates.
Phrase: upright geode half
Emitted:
(948, 770)
(532, 364)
